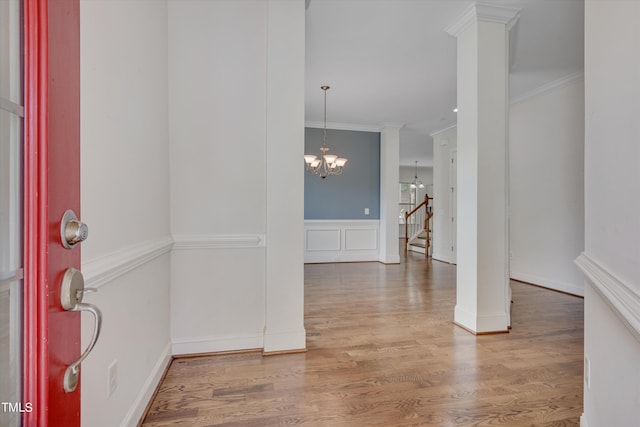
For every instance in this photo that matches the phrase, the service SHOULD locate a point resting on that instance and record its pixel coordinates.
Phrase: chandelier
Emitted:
(326, 164)
(416, 183)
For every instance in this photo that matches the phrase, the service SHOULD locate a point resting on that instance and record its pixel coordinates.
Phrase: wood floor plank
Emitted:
(383, 351)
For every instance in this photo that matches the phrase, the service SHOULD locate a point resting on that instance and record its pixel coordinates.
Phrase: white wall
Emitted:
(546, 145)
(612, 213)
(125, 202)
(217, 120)
(443, 144)
(236, 76)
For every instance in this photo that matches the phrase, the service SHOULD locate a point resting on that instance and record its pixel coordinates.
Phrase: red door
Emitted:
(51, 186)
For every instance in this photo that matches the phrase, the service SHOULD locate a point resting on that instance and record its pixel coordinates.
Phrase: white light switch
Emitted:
(366, 211)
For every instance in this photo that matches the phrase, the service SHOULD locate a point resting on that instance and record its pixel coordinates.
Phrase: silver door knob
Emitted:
(72, 231)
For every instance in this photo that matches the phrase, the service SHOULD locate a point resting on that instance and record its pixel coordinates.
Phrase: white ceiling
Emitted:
(391, 62)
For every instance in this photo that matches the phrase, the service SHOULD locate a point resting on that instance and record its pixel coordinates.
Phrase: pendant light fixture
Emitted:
(416, 183)
(327, 164)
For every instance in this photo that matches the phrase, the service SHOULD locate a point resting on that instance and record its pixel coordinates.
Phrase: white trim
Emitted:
(389, 259)
(391, 125)
(11, 276)
(583, 420)
(104, 269)
(343, 126)
(285, 340)
(213, 344)
(481, 323)
(196, 241)
(336, 246)
(337, 256)
(620, 296)
(332, 222)
(139, 406)
(483, 12)
(548, 87)
(11, 107)
(569, 288)
(438, 132)
(448, 260)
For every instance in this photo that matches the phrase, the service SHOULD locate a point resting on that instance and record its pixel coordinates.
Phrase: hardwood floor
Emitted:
(383, 351)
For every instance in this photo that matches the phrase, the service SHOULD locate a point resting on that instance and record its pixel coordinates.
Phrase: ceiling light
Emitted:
(326, 164)
(416, 183)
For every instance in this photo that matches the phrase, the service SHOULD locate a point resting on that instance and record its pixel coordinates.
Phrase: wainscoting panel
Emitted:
(360, 239)
(322, 240)
(341, 240)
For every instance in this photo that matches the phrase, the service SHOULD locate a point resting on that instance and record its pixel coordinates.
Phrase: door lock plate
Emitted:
(71, 292)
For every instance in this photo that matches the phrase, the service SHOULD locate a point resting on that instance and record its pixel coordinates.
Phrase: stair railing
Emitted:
(417, 221)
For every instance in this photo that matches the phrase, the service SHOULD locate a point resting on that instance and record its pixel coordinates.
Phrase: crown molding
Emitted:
(439, 131)
(392, 125)
(343, 126)
(548, 87)
(507, 16)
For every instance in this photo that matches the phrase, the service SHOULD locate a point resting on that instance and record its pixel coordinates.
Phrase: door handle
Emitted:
(71, 292)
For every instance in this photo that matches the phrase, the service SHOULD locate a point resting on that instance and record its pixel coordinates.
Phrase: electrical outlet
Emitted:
(587, 372)
(112, 376)
(366, 211)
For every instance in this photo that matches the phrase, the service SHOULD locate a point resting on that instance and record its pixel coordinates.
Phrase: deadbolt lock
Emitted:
(72, 231)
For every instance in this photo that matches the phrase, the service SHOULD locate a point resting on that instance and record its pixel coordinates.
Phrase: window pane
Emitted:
(10, 193)
(10, 350)
(10, 213)
(11, 58)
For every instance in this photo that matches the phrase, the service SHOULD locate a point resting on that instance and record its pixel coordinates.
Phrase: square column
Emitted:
(483, 292)
(284, 290)
(389, 181)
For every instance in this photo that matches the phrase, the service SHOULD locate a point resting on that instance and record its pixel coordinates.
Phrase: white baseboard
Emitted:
(137, 409)
(284, 341)
(480, 323)
(583, 420)
(213, 344)
(557, 285)
(337, 256)
(390, 259)
(441, 258)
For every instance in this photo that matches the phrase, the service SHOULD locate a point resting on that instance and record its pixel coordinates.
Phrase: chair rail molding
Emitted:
(216, 241)
(104, 269)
